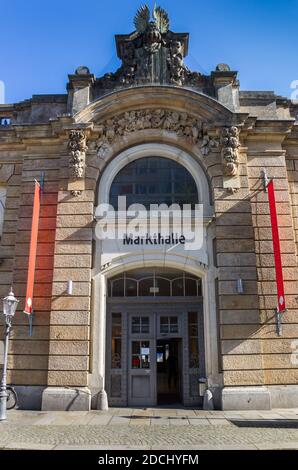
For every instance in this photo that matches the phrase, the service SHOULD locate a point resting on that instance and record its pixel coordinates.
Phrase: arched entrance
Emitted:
(130, 365)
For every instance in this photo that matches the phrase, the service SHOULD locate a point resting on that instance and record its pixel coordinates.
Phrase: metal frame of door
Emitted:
(154, 308)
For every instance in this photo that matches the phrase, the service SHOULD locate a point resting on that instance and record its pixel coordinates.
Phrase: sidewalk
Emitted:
(152, 428)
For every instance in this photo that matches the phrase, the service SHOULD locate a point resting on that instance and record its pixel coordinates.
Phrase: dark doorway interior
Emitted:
(168, 356)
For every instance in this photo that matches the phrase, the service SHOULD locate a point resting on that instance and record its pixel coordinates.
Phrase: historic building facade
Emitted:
(147, 323)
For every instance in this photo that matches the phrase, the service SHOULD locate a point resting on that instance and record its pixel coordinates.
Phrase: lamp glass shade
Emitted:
(10, 305)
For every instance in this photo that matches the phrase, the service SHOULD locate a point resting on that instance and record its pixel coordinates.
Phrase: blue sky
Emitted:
(43, 41)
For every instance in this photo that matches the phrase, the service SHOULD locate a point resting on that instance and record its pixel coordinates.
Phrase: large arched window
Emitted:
(154, 180)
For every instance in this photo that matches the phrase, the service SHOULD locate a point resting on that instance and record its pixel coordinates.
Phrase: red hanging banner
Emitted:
(276, 248)
(33, 248)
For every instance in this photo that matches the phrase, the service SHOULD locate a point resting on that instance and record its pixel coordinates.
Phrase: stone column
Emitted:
(226, 86)
(69, 347)
(79, 90)
(238, 313)
(265, 152)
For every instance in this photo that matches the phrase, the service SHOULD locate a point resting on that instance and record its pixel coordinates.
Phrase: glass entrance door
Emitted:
(155, 353)
(141, 360)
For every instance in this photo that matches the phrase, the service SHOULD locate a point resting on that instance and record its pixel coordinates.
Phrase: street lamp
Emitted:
(9, 309)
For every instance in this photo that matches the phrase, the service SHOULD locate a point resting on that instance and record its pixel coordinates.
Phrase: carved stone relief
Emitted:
(229, 150)
(182, 124)
(77, 146)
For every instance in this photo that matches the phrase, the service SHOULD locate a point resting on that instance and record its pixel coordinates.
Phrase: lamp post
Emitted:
(9, 309)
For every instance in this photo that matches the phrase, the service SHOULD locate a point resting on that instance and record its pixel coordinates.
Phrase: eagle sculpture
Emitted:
(160, 16)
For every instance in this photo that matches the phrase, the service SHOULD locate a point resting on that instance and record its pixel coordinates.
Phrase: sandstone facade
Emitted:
(74, 139)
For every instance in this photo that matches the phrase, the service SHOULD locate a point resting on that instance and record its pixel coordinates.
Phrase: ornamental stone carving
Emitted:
(152, 54)
(229, 150)
(208, 143)
(77, 146)
(182, 124)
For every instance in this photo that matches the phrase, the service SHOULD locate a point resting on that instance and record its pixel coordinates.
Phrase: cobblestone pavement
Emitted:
(154, 428)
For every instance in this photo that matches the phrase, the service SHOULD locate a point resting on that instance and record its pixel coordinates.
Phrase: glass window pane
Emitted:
(145, 355)
(136, 347)
(131, 287)
(116, 330)
(193, 317)
(193, 344)
(135, 362)
(173, 324)
(190, 286)
(193, 353)
(164, 324)
(145, 286)
(177, 287)
(144, 324)
(154, 180)
(164, 286)
(118, 288)
(193, 330)
(116, 341)
(161, 285)
(135, 325)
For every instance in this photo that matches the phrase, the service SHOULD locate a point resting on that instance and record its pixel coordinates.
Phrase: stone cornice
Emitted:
(163, 96)
(277, 129)
(292, 137)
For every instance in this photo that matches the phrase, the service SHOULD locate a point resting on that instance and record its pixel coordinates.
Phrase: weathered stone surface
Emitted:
(242, 362)
(285, 233)
(21, 333)
(29, 347)
(240, 346)
(234, 273)
(232, 206)
(6, 171)
(74, 234)
(239, 316)
(69, 348)
(268, 316)
(78, 248)
(21, 377)
(85, 196)
(230, 287)
(78, 221)
(281, 376)
(286, 246)
(69, 378)
(71, 303)
(236, 259)
(257, 331)
(72, 261)
(28, 362)
(234, 232)
(229, 218)
(68, 363)
(69, 317)
(237, 301)
(243, 377)
(278, 346)
(69, 332)
(267, 260)
(63, 275)
(57, 399)
(280, 361)
(75, 208)
(246, 398)
(268, 274)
